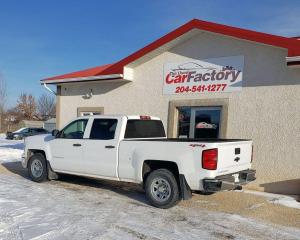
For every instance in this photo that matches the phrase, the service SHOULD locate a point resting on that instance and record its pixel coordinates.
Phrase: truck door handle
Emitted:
(76, 145)
(109, 146)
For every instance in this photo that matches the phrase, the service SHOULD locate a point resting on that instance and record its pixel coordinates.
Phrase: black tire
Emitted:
(40, 160)
(168, 179)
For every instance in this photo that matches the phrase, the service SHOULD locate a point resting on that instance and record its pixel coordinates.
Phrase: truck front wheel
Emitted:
(162, 188)
(37, 167)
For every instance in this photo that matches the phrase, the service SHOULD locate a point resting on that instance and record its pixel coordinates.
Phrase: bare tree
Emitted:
(26, 106)
(46, 106)
(3, 96)
(11, 119)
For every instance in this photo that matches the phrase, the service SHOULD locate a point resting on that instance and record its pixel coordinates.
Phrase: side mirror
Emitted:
(55, 132)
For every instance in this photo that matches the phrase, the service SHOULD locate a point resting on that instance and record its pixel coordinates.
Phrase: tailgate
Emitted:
(234, 156)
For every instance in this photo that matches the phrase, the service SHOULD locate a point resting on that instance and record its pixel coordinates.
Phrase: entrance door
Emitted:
(205, 122)
(199, 122)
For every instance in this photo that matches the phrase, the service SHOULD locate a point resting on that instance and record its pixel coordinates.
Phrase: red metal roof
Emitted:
(292, 44)
(95, 71)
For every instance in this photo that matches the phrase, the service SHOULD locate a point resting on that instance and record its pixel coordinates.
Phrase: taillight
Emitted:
(252, 153)
(210, 159)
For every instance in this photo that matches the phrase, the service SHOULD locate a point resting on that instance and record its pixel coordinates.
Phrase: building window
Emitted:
(199, 122)
(83, 114)
(89, 111)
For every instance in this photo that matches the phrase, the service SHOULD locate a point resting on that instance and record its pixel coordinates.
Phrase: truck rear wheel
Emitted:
(162, 188)
(37, 167)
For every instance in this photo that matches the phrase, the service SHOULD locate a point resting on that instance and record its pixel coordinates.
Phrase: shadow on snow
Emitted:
(77, 183)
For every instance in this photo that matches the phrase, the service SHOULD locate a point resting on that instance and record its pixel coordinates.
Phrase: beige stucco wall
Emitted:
(267, 110)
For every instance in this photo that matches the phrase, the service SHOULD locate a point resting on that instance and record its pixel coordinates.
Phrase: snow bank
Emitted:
(10, 150)
(285, 200)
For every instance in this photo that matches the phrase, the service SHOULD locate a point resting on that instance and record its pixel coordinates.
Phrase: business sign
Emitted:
(223, 74)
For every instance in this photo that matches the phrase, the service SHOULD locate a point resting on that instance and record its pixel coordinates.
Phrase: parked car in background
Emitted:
(25, 132)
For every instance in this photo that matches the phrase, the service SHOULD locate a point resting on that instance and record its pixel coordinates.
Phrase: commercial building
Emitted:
(205, 80)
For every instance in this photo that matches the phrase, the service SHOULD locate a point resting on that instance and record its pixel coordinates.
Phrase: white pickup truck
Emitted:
(135, 149)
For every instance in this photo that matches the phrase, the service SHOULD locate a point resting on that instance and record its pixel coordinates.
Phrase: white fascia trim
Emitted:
(293, 59)
(81, 79)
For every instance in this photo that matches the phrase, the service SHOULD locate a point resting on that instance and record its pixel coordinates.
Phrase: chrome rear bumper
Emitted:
(229, 182)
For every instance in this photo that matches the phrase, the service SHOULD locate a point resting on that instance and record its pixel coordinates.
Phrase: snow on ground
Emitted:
(61, 211)
(288, 201)
(76, 208)
(10, 150)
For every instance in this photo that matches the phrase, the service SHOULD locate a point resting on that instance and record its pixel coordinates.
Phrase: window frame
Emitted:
(175, 104)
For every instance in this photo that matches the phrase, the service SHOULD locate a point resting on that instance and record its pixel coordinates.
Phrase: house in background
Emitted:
(50, 124)
(11, 121)
(31, 124)
(205, 80)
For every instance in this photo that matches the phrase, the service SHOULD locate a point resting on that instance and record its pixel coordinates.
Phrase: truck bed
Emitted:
(234, 155)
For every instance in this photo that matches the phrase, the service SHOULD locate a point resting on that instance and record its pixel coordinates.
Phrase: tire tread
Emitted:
(163, 172)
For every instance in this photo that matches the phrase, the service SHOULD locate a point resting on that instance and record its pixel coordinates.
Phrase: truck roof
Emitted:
(142, 117)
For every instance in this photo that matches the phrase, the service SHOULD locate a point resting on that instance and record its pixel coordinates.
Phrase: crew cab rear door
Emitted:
(101, 147)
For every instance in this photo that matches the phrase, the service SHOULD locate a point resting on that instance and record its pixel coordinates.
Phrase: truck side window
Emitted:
(144, 129)
(103, 129)
(75, 130)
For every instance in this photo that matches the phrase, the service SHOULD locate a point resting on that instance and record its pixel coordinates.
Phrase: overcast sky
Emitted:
(40, 39)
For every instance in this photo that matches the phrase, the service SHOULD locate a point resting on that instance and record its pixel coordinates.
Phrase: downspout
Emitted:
(49, 89)
(57, 99)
